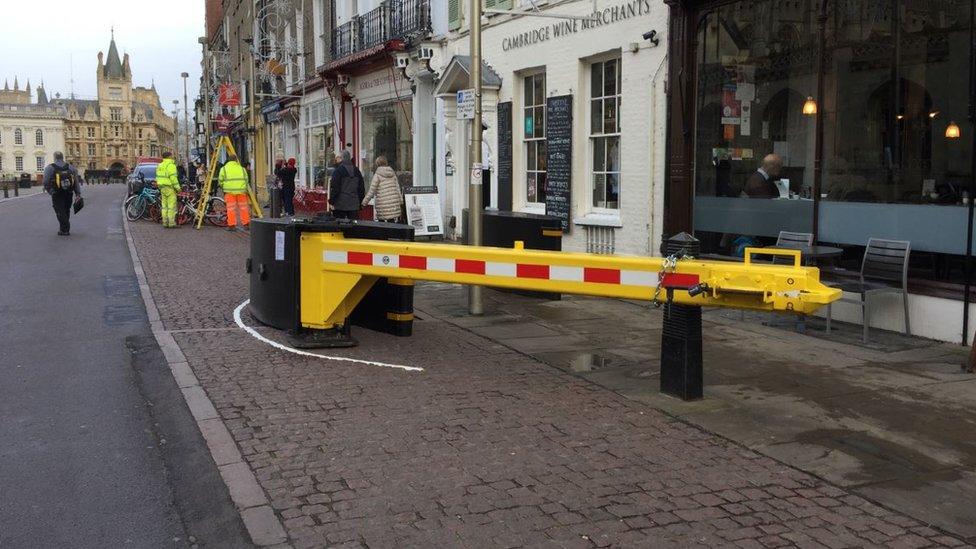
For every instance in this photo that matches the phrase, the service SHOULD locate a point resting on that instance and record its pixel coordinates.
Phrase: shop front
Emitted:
(383, 106)
(844, 119)
(316, 139)
(575, 122)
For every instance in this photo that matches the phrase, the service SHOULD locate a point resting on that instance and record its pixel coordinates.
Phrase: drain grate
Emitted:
(116, 315)
(120, 286)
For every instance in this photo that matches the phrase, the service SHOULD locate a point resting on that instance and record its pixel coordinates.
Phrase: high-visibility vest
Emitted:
(233, 178)
(166, 174)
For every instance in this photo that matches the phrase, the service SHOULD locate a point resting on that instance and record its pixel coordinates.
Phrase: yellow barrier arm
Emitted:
(334, 268)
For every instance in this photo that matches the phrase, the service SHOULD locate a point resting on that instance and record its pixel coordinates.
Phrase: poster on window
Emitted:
(423, 205)
(731, 107)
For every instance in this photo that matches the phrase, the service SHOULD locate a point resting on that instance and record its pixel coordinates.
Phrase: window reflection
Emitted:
(894, 76)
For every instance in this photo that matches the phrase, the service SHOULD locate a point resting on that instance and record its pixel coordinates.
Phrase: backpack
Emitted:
(64, 180)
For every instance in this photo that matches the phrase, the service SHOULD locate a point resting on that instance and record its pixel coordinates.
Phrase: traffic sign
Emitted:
(465, 104)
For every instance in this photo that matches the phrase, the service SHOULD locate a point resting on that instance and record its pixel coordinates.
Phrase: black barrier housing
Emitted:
(275, 279)
(501, 229)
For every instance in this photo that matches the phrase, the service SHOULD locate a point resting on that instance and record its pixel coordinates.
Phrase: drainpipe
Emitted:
(972, 177)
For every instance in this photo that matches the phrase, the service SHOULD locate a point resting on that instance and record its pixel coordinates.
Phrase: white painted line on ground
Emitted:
(254, 333)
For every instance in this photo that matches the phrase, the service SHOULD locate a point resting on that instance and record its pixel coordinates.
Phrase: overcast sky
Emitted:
(42, 40)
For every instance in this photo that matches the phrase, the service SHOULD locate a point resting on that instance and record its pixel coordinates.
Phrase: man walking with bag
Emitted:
(233, 181)
(168, 181)
(62, 182)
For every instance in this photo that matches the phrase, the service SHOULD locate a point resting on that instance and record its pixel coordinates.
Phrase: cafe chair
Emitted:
(799, 240)
(884, 269)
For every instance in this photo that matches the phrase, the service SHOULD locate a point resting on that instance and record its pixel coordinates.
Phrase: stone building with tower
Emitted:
(121, 125)
(30, 130)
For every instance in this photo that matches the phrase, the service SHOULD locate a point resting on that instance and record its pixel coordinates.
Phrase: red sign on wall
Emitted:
(230, 95)
(223, 123)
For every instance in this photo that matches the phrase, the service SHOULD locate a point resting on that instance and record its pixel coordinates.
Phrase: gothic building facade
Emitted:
(123, 124)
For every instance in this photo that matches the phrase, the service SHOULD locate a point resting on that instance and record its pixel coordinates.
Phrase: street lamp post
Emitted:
(186, 124)
(475, 294)
(176, 128)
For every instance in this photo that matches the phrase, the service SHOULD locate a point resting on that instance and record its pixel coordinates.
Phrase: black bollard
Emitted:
(6, 192)
(275, 198)
(681, 338)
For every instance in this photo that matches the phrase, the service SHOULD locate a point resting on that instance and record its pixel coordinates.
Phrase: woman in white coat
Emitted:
(386, 189)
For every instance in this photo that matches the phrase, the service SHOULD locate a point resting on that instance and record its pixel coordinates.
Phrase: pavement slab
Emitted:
(487, 446)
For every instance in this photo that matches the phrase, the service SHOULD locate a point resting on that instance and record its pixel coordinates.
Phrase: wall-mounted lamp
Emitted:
(810, 106)
(953, 131)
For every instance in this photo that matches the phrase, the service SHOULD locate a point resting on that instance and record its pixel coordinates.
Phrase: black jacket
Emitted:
(49, 176)
(286, 175)
(346, 169)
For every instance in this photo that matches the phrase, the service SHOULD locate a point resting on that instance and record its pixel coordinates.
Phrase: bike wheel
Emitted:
(135, 207)
(155, 212)
(185, 214)
(217, 212)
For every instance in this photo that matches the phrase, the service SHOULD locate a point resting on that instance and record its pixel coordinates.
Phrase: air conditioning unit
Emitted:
(343, 79)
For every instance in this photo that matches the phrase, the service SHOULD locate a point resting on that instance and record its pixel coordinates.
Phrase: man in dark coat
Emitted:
(346, 189)
(762, 184)
(62, 182)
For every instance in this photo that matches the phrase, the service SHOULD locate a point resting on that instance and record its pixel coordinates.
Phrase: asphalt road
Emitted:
(97, 448)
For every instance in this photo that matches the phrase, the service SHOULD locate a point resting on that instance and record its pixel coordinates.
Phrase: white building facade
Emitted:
(30, 134)
(599, 164)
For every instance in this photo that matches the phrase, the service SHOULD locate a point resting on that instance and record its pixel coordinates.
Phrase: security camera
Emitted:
(652, 37)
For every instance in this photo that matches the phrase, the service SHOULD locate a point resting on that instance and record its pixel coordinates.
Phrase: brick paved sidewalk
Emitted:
(486, 447)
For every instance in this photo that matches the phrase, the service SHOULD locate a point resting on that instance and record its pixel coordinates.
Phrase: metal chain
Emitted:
(669, 265)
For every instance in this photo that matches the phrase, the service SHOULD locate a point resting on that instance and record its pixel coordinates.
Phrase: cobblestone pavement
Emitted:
(484, 448)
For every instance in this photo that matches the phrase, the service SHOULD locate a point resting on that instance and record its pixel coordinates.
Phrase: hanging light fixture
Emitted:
(953, 131)
(810, 106)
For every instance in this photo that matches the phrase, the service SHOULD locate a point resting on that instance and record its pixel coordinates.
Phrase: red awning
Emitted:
(360, 56)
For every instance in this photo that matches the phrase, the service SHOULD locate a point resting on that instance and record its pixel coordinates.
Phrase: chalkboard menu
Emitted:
(559, 160)
(503, 164)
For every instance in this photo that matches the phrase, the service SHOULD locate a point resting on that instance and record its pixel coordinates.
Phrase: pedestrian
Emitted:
(286, 176)
(62, 182)
(385, 187)
(168, 181)
(191, 175)
(346, 189)
(233, 181)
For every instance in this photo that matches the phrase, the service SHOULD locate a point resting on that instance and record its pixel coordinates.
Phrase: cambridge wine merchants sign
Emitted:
(621, 11)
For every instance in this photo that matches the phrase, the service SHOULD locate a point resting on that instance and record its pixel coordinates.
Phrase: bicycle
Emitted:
(145, 203)
(215, 210)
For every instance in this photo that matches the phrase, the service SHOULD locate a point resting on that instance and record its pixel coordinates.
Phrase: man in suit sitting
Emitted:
(761, 184)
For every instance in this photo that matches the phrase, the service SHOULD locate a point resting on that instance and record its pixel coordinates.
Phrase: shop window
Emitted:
(19, 163)
(18, 137)
(534, 136)
(605, 94)
(387, 132)
(896, 146)
(39, 138)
